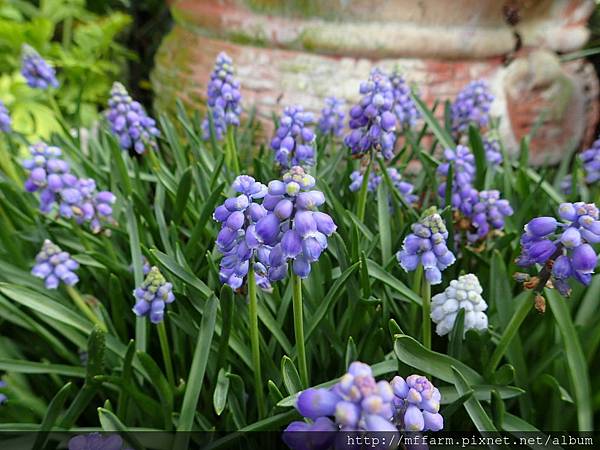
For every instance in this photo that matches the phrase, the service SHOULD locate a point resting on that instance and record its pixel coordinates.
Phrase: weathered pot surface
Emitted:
(290, 52)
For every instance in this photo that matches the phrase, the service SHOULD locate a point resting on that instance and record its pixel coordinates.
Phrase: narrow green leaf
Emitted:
(351, 352)
(476, 412)
(111, 423)
(383, 216)
(440, 132)
(198, 368)
(182, 273)
(378, 272)
(576, 363)
(162, 386)
(411, 352)
(183, 192)
(478, 150)
(456, 335)
(54, 409)
(20, 366)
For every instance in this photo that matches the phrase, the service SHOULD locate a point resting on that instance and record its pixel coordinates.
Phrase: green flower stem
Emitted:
(154, 162)
(84, 307)
(164, 346)
(362, 195)
(426, 298)
(232, 150)
(255, 341)
(299, 329)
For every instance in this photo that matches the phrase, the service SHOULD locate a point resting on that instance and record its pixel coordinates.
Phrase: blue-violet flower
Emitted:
(152, 296)
(54, 265)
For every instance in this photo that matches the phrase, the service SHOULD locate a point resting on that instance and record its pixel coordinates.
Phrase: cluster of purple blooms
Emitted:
(293, 226)
(493, 152)
(359, 403)
(5, 120)
(96, 441)
(152, 296)
(332, 117)
(36, 71)
(565, 246)
(485, 209)
(3, 397)
(489, 212)
(223, 98)
(54, 265)
(76, 198)
(591, 162)
(471, 106)
(237, 240)
(426, 245)
(294, 140)
(129, 121)
(405, 188)
(404, 107)
(372, 120)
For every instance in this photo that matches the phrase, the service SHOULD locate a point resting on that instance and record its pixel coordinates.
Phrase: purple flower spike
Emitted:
(493, 153)
(356, 403)
(36, 71)
(372, 120)
(426, 245)
(488, 214)
(472, 106)
(3, 397)
(294, 140)
(293, 226)
(152, 296)
(332, 117)
(130, 123)
(223, 98)
(54, 265)
(417, 403)
(96, 441)
(564, 246)
(5, 120)
(591, 162)
(404, 106)
(238, 239)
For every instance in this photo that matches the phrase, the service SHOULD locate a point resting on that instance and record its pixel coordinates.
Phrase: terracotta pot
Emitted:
(299, 52)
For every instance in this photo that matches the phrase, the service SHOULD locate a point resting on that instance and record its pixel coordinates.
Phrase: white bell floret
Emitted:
(464, 293)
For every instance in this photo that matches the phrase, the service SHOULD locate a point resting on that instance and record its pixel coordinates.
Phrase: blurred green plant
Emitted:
(80, 44)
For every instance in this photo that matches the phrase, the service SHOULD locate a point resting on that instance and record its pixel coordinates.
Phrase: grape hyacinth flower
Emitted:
(464, 293)
(488, 214)
(48, 173)
(36, 71)
(129, 121)
(96, 441)
(591, 162)
(54, 265)
(356, 403)
(332, 117)
(237, 239)
(405, 188)
(404, 107)
(372, 120)
(493, 152)
(79, 200)
(293, 226)
(3, 397)
(566, 185)
(426, 245)
(5, 120)
(152, 296)
(223, 98)
(416, 404)
(472, 106)
(565, 247)
(294, 140)
(464, 196)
